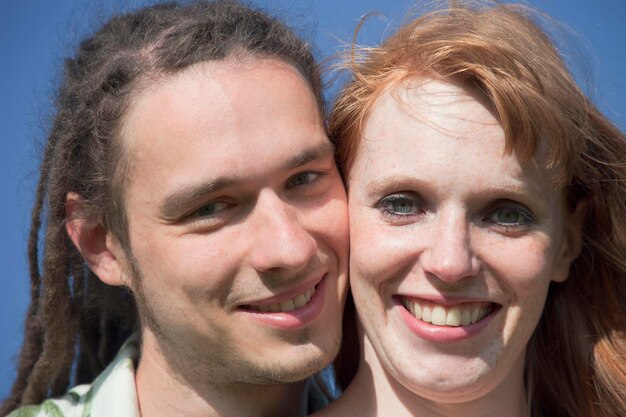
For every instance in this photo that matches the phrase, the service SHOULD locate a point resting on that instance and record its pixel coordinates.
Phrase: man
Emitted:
(192, 202)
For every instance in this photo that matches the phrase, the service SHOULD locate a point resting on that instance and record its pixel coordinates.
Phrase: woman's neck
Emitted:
(375, 393)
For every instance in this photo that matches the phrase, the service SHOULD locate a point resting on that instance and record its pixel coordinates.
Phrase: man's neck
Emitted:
(164, 392)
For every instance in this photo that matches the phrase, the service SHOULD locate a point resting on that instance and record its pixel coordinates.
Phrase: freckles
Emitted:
(522, 321)
(363, 282)
(367, 251)
(363, 242)
(523, 259)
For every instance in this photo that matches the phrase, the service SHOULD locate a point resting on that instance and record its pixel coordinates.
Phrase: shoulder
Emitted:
(113, 393)
(73, 404)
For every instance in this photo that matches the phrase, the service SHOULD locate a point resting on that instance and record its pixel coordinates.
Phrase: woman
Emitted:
(488, 226)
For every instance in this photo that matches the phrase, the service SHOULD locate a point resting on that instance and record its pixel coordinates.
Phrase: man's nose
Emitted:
(448, 255)
(279, 239)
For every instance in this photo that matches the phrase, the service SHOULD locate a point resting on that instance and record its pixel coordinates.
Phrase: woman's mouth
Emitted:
(461, 314)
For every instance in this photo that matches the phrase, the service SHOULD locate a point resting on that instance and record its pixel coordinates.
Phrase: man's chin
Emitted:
(286, 368)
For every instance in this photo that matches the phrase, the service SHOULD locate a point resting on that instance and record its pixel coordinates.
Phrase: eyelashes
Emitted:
(219, 211)
(211, 213)
(400, 206)
(302, 178)
(503, 215)
(511, 215)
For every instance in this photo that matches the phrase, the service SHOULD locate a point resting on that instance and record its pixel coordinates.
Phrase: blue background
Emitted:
(36, 34)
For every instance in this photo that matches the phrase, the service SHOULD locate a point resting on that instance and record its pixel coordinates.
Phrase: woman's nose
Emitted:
(449, 255)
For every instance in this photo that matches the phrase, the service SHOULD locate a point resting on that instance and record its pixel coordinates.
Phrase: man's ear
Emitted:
(100, 250)
(573, 240)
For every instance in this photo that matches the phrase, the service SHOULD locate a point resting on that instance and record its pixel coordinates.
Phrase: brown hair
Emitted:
(576, 358)
(74, 319)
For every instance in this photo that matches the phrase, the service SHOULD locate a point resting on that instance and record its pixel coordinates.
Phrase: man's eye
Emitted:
(302, 179)
(511, 216)
(400, 205)
(211, 209)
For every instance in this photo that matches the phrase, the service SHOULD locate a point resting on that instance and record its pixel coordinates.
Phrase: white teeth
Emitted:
(417, 311)
(466, 317)
(299, 301)
(454, 317)
(427, 314)
(438, 316)
(459, 315)
(287, 305)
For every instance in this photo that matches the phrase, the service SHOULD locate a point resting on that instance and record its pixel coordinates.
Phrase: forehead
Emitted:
(430, 128)
(219, 117)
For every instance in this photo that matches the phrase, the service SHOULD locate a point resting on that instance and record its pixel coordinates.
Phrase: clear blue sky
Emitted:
(35, 35)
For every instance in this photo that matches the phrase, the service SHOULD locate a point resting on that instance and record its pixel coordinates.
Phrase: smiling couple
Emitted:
(197, 232)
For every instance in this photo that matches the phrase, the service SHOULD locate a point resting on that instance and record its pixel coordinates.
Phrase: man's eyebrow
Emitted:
(179, 198)
(322, 151)
(171, 204)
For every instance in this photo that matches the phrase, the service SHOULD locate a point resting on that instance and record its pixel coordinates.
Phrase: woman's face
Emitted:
(453, 243)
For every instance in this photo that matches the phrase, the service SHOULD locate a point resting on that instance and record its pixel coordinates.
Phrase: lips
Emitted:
(291, 310)
(460, 314)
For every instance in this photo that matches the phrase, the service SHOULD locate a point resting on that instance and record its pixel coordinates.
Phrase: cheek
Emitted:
(523, 268)
(331, 222)
(526, 264)
(369, 261)
(368, 250)
(192, 266)
(382, 256)
(327, 221)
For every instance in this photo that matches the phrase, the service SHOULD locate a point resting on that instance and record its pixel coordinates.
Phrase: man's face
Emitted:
(237, 222)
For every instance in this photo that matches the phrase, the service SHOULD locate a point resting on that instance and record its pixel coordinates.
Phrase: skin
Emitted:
(234, 201)
(440, 214)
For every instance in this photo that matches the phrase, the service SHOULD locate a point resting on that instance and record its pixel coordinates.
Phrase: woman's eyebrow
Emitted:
(383, 183)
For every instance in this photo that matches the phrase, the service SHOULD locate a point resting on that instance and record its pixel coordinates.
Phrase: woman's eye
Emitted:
(511, 216)
(302, 179)
(400, 205)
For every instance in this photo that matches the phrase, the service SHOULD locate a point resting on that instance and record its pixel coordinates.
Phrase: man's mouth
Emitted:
(284, 306)
(462, 314)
